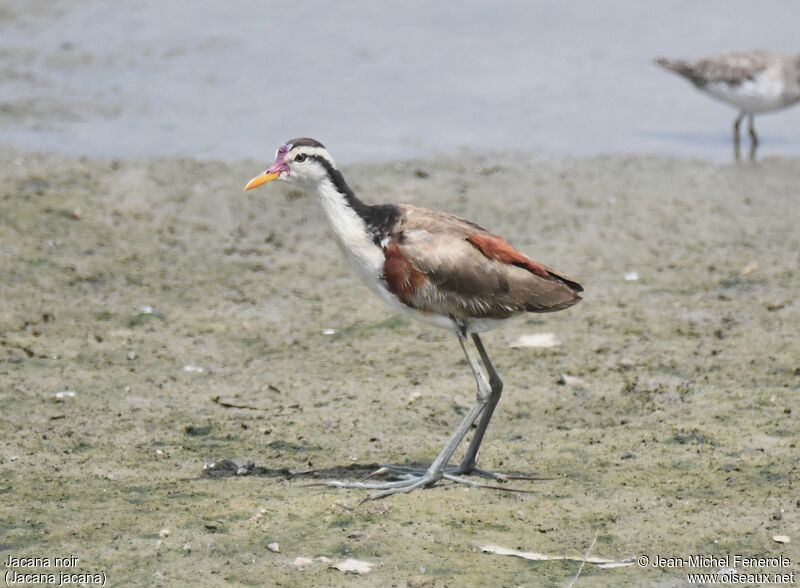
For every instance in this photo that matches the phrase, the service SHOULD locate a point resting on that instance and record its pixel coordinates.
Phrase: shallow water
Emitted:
(375, 81)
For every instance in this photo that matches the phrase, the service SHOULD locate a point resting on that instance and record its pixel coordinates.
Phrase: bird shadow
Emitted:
(227, 468)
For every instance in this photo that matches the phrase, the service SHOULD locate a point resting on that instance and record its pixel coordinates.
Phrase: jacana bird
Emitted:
(433, 267)
(751, 81)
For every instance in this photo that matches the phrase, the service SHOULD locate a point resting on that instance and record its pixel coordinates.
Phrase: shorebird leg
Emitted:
(467, 464)
(753, 137)
(436, 471)
(737, 141)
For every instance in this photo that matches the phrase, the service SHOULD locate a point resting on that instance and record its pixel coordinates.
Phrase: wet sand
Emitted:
(151, 287)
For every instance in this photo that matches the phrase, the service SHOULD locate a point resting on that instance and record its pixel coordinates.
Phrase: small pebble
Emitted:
(301, 561)
(781, 538)
(567, 380)
(187, 548)
(537, 340)
(274, 547)
(164, 533)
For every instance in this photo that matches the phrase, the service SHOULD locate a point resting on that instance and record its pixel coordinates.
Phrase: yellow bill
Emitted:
(261, 179)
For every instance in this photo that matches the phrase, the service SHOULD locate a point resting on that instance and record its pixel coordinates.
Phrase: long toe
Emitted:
(408, 482)
(403, 472)
(412, 484)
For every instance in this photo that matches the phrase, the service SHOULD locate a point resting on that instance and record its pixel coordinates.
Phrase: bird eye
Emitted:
(300, 158)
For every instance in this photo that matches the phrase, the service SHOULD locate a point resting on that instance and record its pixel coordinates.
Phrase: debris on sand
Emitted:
(600, 562)
(64, 394)
(749, 268)
(537, 341)
(354, 566)
(413, 396)
(232, 402)
(631, 276)
(782, 538)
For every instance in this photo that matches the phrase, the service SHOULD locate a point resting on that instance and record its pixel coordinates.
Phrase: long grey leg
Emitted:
(737, 141)
(484, 395)
(436, 471)
(753, 137)
(496, 384)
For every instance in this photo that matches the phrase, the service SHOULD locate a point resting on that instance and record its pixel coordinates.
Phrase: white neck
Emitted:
(352, 234)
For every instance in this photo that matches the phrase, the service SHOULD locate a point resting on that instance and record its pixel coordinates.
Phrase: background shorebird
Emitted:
(434, 267)
(752, 81)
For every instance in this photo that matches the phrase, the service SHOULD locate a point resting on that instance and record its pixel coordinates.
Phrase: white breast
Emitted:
(767, 91)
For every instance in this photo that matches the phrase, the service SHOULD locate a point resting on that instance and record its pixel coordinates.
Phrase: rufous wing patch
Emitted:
(498, 248)
(402, 278)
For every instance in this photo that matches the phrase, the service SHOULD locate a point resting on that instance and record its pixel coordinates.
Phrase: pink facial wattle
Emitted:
(280, 165)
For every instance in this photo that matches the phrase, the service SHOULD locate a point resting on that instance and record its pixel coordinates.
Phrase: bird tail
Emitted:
(679, 66)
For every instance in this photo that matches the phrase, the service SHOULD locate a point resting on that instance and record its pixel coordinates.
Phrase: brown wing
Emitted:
(440, 263)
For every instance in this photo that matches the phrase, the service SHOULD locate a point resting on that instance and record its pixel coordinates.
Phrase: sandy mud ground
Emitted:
(150, 288)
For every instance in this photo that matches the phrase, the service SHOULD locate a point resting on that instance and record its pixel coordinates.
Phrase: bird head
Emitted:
(299, 161)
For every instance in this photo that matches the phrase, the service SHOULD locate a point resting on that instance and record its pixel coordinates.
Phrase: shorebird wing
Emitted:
(732, 68)
(440, 263)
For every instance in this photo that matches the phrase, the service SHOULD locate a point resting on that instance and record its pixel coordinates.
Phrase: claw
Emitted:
(379, 472)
